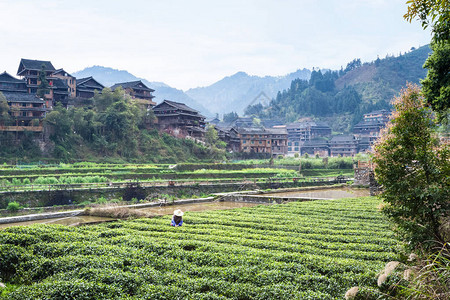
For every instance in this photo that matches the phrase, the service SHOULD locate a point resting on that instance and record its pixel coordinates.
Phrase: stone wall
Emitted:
(362, 176)
(70, 197)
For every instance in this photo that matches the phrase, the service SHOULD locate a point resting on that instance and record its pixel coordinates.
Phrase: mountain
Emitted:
(109, 76)
(341, 98)
(236, 92)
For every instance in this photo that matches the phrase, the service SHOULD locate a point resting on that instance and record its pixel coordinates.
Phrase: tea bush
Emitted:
(299, 250)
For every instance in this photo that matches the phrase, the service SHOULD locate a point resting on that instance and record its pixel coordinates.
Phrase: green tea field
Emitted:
(298, 250)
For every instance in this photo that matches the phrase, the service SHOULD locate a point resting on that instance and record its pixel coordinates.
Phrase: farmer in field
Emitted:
(177, 219)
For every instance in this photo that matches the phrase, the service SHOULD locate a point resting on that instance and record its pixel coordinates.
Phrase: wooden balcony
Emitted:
(22, 128)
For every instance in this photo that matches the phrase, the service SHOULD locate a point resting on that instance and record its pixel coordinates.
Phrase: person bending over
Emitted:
(177, 219)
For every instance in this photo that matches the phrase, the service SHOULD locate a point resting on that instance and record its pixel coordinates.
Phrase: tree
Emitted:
(44, 86)
(254, 110)
(61, 126)
(413, 169)
(230, 117)
(436, 86)
(354, 64)
(434, 13)
(4, 109)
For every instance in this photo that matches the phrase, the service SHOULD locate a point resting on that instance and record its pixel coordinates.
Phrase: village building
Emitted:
(69, 80)
(278, 141)
(230, 136)
(10, 84)
(254, 140)
(138, 91)
(364, 144)
(214, 121)
(58, 91)
(315, 147)
(86, 87)
(26, 111)
(179, 120)
(381, 115)
(271, 141)
(242, 122)
(368, 130)
(30, 69)
(343, 145)
(300, 132)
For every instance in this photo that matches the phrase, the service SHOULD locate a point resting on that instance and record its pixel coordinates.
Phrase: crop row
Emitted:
(265, 252)
(249, 173)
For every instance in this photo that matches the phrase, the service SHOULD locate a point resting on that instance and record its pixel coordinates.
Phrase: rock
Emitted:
(381, 279)
(351, 293)
(2, 285)
(390, 266)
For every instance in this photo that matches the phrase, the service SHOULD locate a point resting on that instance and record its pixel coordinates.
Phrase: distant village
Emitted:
(268, 139)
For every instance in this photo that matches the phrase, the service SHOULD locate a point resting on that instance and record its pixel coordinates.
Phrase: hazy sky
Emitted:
(190, 43)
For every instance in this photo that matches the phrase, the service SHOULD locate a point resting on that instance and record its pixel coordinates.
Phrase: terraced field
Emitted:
(299, 250)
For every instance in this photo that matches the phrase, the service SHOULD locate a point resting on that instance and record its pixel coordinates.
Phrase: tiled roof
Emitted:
(132, 84)
(381, 111)
(5, 77)
(276, 130)
(37, 64)
(18, 97)
(62, 71)
(315, 143)
(343, 138)
(307, 124)
(178, 105)
(81, 81)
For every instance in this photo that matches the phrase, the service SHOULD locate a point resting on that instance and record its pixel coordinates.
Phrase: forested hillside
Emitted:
(342, 97)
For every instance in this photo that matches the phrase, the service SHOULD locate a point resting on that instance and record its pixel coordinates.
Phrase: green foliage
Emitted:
(13, 206)
(217, 147)
(434, 13)
(342, 98)
(303, 250)
(4, 109)
(436, 86)
(414, 171)
(230, 117)
(44, 86)
(431, 278)
(113, 128)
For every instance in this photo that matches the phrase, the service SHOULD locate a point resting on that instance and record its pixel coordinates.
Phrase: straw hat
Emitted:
(178, 213)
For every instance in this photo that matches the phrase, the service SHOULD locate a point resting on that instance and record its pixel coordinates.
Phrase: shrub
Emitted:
(413, 169)
(13, 206)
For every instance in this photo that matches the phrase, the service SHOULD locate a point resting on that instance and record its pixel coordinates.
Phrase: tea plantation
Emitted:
(301, 250)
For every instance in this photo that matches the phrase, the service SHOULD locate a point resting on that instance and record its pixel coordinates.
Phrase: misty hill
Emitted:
(342, 97)
(109, 76)
(236, 92)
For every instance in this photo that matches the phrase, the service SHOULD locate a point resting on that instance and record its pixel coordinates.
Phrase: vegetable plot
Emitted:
(301, 250)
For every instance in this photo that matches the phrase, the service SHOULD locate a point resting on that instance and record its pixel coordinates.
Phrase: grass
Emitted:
(117, 212)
